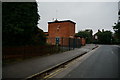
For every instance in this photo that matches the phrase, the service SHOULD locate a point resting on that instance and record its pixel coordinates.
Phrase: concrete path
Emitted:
(32, 66)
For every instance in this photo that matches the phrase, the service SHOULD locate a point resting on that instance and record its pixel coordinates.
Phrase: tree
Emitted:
(20, 21)
(87, 34)
(117, 32)
(40, 37)
(104, 37)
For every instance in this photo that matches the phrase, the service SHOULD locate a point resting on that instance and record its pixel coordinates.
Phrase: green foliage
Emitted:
(87, 34)
(117, 31)
(40, 37)
(104, 37)
(20, 21)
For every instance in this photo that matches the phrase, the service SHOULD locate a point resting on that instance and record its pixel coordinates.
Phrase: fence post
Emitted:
(62, 43)
(77, 43)
(73, 43)
(69, 43)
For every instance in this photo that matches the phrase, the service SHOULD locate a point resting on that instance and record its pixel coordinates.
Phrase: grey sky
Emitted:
(87, 15)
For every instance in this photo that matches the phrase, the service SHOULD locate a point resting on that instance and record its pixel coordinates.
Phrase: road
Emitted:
(99, 63)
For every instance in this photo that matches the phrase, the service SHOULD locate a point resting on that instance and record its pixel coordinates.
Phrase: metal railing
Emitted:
(65, 43)
(54, 46)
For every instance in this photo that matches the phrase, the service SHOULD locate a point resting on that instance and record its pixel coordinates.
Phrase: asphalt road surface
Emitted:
(101, 63)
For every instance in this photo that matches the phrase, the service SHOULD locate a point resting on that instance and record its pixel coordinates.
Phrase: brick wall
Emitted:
(60, 29)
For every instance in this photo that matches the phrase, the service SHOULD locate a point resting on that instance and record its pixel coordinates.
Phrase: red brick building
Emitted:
(58, 30)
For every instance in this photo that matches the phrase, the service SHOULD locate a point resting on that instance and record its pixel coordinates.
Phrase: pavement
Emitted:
(32, 66)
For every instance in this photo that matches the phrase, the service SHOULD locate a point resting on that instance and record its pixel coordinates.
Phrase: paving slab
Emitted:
(32, 66)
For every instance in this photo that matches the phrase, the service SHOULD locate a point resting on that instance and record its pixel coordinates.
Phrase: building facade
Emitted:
(60, 31)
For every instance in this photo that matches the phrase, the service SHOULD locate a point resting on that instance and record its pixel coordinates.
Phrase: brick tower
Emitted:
(60, 29)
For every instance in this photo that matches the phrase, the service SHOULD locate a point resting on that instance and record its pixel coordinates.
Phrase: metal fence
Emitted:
(56, 45)
(65, 43)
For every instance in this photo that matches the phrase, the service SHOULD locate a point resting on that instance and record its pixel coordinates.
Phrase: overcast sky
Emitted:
(87, 15)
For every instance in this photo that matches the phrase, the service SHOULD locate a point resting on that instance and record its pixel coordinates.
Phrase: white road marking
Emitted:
(74, 64)
(116, 46)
